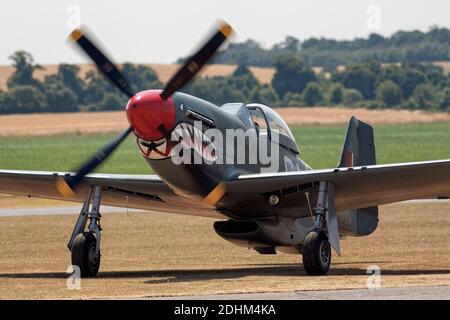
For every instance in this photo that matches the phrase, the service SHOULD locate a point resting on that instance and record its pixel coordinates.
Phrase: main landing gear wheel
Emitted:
(316, 253)
(84, 254)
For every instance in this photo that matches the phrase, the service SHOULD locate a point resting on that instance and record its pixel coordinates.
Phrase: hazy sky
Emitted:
(162, 31)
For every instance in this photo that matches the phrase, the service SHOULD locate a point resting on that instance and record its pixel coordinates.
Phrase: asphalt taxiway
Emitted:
(408, 293)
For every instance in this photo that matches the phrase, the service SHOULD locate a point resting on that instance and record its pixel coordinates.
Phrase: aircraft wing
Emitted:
(356, 187)
(146, 192)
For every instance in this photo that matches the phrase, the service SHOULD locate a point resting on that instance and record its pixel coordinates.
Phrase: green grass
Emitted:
(66, 152)
(320, 147)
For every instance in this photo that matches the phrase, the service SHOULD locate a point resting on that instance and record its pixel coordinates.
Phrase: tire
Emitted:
(316, 253)
(83, 254)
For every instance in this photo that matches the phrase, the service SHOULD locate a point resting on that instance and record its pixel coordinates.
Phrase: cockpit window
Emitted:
(274, 119)
(259, 120)
(239, 110)
(264, 119)
(277, 123)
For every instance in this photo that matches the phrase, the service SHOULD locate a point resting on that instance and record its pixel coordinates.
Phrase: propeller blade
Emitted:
(103, 63)
(215, 195)
(197, 61)
(67, 184)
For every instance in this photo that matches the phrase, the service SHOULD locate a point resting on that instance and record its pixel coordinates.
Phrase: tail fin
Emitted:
(359, 146)
(359, 150)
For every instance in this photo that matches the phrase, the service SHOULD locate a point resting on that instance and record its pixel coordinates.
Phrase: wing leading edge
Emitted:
(355, 188)
(147, 192)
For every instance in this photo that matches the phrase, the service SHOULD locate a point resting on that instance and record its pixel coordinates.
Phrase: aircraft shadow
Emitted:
(191, 275)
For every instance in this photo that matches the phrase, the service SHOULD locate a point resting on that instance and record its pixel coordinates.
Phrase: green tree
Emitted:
(141, 77)
(2, 107)
(290, 44)
(111, 101)
(240, 86)
(312, 95)
(99, 94)
(23, 99)
(269, 96)
(242, 70)
(200, 87)
(244, 81)
(293, 99)
(444, 100)
(425, 97)
(68, 74)
(265, 95)
(352, 97)
(24, 66)
(95, 88)
(362, 77)
(390, 93)
(403, 46)
(220, 90)
(228, 94)
(60, 98)
(410, 80)
(291, 75)
(337, 94)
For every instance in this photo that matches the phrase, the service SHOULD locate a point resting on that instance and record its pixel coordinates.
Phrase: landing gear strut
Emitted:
(85, 245)
(316, 252)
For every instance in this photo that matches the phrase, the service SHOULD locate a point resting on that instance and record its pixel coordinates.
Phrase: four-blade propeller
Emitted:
(192, 66)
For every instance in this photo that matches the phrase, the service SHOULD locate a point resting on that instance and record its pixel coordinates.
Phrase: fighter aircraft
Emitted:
(287, 207)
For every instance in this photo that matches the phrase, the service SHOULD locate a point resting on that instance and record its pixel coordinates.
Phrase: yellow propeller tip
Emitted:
(64, 188)
(76, 34)
(226, 30)
(215, 195)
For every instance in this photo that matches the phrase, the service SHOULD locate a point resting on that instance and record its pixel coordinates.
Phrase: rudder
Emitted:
(359, 146)
(358, 150)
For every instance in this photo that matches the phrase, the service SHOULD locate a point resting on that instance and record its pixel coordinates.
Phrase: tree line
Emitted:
(368, 84)
(402, 46)
(66, 91)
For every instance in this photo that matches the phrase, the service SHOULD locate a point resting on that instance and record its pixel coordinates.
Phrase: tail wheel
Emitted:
(316, 253)
(84, 256)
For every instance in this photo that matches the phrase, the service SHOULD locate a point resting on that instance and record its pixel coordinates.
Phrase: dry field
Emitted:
(97, 122)
(149, 254)
(327, 115)
(444, 64)
(164, 71)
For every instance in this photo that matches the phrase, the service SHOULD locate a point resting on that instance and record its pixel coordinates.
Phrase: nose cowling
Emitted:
(149, 115)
